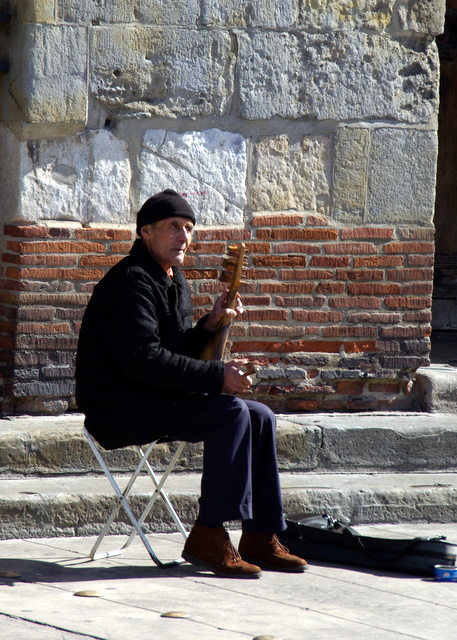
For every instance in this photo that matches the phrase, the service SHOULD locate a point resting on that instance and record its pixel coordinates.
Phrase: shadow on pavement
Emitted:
(73, 570)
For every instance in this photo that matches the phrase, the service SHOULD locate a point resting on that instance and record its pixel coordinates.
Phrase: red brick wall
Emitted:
(336, 318)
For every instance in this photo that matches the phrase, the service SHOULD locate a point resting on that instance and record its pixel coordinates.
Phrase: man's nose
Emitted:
(183, 234)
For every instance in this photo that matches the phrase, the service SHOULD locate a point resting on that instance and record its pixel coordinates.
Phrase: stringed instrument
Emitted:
(232, 272)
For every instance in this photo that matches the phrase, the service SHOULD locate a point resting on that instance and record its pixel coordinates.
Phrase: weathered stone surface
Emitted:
(298, 447)
(421, 16)
(250, 13)
(346, 14)
(46, 507)
(434, 388)
(48, 389)
(350, 167)
(9, 172)
(208, 166)
(396, 447)
(444, 314)
(56, 445)
(291, 175)
(85, 178)
(320, 76)
(35, 11)
(158, 12)
(385, 441)
(402, 175)
(47, 81)
(162, 71)
(359, 498)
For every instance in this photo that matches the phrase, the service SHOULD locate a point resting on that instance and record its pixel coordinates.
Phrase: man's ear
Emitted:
(145, 231)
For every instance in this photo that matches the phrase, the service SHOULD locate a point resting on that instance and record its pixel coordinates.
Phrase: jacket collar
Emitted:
(142, 256)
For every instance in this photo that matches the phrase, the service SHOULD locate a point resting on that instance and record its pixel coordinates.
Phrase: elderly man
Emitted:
(139, 378)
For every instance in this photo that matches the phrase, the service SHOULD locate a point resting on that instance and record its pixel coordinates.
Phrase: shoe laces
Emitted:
(276, 544)
(233, 553)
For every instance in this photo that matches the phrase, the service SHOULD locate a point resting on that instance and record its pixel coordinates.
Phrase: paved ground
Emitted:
(325, 603)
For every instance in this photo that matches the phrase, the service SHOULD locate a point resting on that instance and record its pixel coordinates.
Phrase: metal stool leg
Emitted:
(123, 503)
(159, 492)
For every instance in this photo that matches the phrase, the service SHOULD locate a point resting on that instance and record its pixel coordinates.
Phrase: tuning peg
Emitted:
(228, 262)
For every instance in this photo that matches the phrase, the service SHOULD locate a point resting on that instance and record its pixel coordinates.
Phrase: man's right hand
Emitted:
(236, 381)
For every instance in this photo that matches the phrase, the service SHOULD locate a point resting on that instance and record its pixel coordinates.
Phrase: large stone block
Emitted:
(373, 15)
(250, 13)
(157, 12)
(9, 174)
(290, 175)
(208, 166)
(47, 81)
(350, 167)
(321, 76)
(420, 16)
(434, 390)
(34, 11)
(170, 72)
(84, 178)
(402, 176)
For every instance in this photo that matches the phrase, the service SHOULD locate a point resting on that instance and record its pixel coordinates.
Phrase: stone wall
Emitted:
(306, 128)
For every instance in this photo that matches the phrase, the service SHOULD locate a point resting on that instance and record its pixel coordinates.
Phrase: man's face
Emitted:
(168, 240)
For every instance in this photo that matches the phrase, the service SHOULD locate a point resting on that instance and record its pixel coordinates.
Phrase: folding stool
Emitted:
(143, 465)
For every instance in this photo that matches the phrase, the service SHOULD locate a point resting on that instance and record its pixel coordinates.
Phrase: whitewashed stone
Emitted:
(47, 81)
(84, 178)
(350, 169)
(249, 13)
(157, 12)
(209, 167)
(291, 176)
(341, 76)
(402, 176)
(163, 71)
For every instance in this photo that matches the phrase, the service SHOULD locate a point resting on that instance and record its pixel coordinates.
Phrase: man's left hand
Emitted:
(219, 311)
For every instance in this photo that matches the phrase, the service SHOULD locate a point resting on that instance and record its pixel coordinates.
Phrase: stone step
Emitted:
(46, 506)
(364, 442)
(434, 388)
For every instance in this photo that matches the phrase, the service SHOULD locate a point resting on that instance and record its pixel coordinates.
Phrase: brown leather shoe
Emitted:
(212, 549)
(265, 550)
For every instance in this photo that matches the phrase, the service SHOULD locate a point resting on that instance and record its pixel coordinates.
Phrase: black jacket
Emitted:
(137, 350)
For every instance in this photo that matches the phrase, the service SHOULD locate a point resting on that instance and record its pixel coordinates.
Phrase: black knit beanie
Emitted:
(166, 204)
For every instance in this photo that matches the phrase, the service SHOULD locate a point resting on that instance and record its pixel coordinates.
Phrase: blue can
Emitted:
(445, 573)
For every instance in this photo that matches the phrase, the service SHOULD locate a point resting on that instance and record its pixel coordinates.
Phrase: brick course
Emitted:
(335, 304)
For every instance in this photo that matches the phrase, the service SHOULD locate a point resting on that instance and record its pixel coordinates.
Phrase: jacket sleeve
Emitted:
(197, 337)
(133, 334)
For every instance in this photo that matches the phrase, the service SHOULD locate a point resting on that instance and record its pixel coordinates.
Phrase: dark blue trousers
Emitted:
(240, 473)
